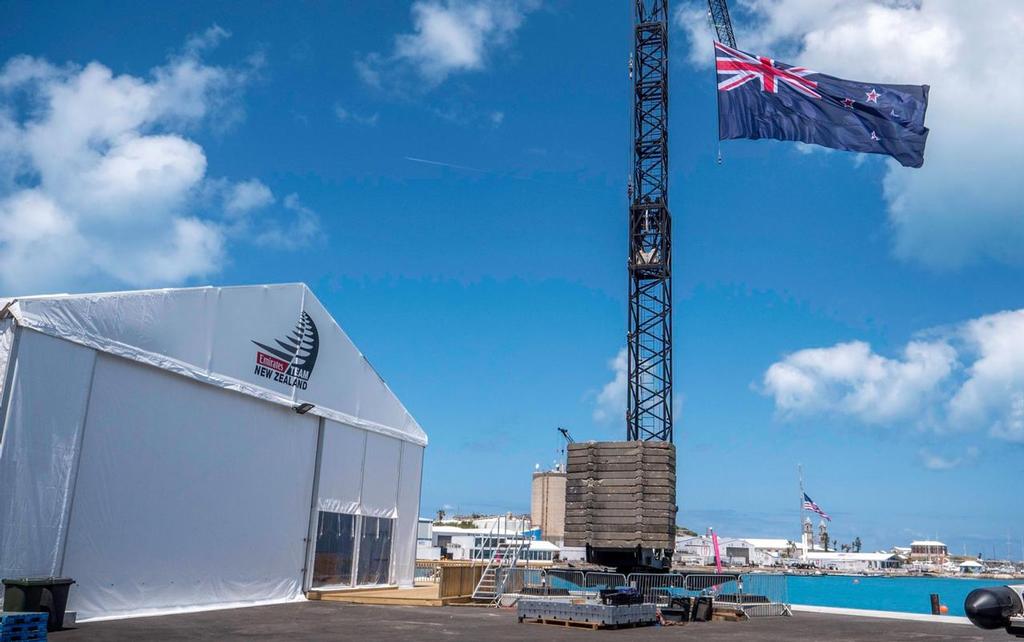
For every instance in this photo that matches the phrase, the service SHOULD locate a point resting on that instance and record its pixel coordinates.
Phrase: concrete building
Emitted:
(547, 504)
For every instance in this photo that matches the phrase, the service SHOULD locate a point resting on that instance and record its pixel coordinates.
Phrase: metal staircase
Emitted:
(507, 551)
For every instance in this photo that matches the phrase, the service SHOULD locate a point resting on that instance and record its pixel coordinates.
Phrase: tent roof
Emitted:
(274, 342)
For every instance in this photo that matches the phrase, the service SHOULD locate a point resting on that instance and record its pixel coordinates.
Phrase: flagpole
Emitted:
(800, 474)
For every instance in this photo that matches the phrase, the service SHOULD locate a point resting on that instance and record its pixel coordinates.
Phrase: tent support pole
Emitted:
(314, 512)
(9, 378)
(73, 486)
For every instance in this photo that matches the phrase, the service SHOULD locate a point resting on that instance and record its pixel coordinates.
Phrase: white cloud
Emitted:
(970, 380)
(99, 182)
(448, 36)
(993, 393)
(248, 195)
(611, 401)
(301, 227)
(849, 378)
(967, 202)
(348, 116)
(934, 461)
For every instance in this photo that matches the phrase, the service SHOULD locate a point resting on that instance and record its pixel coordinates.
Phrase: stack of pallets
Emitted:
(621, 494)
(22, 627)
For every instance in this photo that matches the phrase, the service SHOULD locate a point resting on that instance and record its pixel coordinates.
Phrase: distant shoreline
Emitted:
(822, 572)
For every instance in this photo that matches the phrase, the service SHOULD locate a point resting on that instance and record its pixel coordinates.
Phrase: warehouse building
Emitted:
(199, 448)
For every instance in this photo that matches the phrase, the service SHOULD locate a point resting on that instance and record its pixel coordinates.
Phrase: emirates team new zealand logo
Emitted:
(292, 362)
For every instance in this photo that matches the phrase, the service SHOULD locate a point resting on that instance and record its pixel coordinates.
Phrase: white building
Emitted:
(481, 543)
(201, 447)
(733, 551)
(852, 562)
(971, 567)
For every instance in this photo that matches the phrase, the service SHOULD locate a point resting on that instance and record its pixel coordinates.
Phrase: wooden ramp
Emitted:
(420, 595)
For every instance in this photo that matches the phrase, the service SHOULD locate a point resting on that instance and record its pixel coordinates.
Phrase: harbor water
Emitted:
(903, 594)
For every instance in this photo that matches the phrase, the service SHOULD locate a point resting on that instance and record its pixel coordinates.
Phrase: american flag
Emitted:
(811, 506)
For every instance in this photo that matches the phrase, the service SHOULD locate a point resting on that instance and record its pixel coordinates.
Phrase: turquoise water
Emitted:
(904, 594)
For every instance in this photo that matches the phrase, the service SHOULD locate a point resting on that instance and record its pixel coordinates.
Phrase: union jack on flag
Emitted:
(811, 506)
(759, 97)
(740, 68)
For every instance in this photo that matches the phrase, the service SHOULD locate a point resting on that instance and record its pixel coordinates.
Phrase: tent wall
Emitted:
(380, 476)
(410, 477)
(41, 433)
(187, 495)
(341, 468)
(373, 476)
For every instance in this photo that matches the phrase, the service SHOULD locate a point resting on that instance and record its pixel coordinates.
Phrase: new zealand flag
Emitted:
(762, 98)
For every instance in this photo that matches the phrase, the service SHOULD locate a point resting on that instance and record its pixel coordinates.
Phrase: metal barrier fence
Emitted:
(518, 581)
(758, 595)
(713, 584)
(658, 588)
(594, 582)
(558, 580)
(763, 594)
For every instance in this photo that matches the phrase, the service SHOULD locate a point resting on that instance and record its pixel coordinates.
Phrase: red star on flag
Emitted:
(873, 96)
(848, 103)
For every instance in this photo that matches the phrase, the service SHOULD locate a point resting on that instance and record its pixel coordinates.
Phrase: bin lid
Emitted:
(37, 581)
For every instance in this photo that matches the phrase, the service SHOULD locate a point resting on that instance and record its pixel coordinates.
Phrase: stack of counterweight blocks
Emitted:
(621, 494)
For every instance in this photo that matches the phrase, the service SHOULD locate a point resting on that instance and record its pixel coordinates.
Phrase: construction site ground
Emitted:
(322, 620)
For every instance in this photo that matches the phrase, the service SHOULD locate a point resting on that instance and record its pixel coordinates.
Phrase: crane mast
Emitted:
(718, 16)
(649, 338)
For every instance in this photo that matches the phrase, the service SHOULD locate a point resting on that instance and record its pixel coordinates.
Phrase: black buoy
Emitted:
(991, 608)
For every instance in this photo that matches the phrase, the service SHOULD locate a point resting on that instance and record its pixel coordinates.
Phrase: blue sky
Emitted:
(832, 310)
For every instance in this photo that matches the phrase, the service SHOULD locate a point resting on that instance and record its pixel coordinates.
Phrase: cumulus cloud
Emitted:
(968, 380)
(993, 393)
(611, 401)
(99, 181)
(448, 36)
(849, 378)
(967, 203)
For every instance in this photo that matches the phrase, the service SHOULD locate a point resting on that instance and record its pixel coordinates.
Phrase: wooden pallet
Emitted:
(593, 626)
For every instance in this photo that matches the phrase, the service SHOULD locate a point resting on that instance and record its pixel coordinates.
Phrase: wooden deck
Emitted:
(421, 595)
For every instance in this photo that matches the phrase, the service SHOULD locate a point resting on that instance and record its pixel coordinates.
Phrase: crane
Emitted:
(568, 437)
(649, 336)
(718, 16)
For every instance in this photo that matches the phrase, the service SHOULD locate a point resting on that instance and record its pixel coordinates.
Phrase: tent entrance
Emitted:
(352, 550)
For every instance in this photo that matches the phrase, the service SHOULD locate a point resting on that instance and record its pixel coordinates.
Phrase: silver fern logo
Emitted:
(291, 361)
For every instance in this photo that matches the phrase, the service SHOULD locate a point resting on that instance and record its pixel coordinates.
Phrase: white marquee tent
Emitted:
(153, 446)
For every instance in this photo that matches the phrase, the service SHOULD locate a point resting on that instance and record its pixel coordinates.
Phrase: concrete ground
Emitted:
(338, 621)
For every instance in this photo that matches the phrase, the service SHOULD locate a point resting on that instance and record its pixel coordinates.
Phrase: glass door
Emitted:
(335, 549)
(374, 551)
